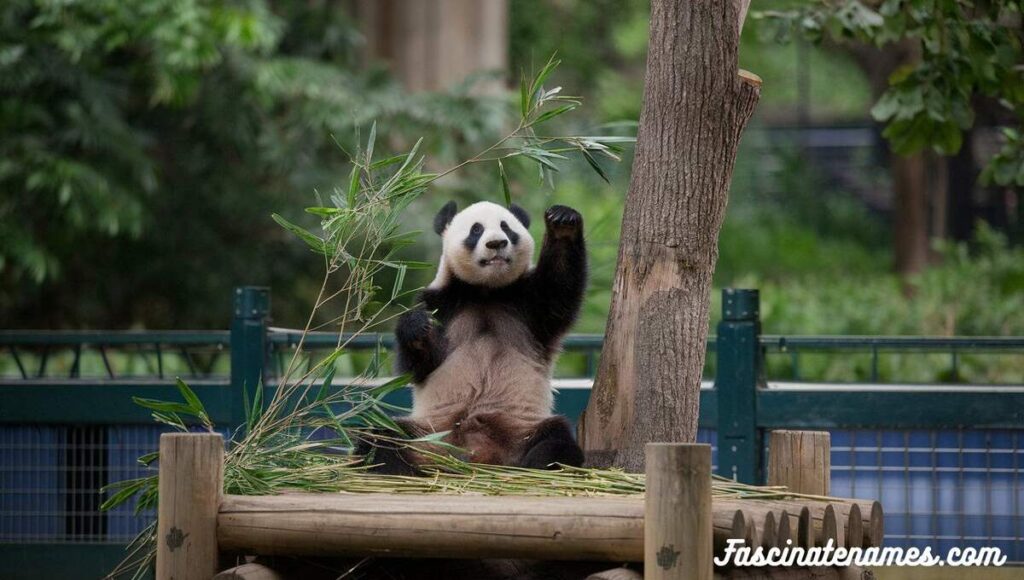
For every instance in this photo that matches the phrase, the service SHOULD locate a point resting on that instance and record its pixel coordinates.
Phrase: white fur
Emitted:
(459, 261)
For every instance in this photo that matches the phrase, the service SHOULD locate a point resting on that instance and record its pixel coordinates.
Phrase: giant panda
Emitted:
(481, 342)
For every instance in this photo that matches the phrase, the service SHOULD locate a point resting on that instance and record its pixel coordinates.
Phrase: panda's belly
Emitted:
(487, 371)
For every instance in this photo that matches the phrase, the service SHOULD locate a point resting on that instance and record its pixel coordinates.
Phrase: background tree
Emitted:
(942, 61)
(695, 109)
(146, 142)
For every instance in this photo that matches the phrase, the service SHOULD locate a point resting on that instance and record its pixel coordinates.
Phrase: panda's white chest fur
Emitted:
(492, 366)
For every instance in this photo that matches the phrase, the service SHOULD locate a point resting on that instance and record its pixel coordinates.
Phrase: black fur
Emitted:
(420, 344)
(474, 236)
(444, 217)
(552, 443)
(548, 299)
(521, 215)
(510, 233)
(387, 457)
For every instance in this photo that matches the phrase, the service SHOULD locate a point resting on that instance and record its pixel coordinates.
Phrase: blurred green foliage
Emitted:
(146, 142)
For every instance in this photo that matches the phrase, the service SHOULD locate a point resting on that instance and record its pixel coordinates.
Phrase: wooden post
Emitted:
(191, 482)
(800, 460)
(677, 513)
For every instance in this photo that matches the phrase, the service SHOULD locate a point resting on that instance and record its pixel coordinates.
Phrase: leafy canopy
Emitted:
(966, 49)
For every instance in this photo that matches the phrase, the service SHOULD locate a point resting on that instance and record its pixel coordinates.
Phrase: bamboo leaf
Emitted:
(542, 76)
(553, 113)
(593, 163)
(312, 240)
(504, 184)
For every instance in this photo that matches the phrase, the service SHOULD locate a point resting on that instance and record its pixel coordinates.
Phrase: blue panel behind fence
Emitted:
(126, 443)
(938, 488)
(31, 483)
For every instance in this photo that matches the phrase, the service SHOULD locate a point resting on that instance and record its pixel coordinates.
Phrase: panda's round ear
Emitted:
(520, 214)
(444, 217)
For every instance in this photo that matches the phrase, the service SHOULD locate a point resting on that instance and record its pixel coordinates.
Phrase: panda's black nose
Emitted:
(496, 244)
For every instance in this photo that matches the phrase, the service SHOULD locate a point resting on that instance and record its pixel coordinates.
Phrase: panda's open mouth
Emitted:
(495, 260)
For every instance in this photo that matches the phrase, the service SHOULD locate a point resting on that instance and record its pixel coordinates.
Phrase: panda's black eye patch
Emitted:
(474, 236)
(512, 236)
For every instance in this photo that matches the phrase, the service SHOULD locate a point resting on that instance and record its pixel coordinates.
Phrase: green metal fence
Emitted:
(66, 410)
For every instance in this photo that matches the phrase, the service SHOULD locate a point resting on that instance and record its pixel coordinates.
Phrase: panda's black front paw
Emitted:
(563, 221)
(414, 329)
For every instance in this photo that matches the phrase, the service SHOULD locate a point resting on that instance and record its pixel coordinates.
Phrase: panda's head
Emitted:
(483, 245)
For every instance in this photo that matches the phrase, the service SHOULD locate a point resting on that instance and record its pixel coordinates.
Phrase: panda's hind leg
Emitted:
(380, 450)
(552, 442)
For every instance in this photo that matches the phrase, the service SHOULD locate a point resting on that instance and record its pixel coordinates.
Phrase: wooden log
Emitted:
(609, 529)
(727, 523)
(854, 523)
(677, 515)
(438, 526)
(191, 483)
(785, 534)
(769, 531)
(251, 571)
(833, 528)
(816, 573)
(874, 522)
(800, 460)
(616, 574)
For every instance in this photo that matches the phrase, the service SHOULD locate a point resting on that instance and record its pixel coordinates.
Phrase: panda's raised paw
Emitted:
(563, 221)
(413, 328)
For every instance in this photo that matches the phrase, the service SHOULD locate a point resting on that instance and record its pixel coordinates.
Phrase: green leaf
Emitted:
(353, 186)
(524, 95)
(593, 163)
(370, 143)
(553, 113)
(312, 240)
(163, 406)
(542, 76)
(504, 184)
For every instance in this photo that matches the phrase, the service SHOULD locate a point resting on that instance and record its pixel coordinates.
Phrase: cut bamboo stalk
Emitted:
(677, 515)
(190, 487)
(800, 460)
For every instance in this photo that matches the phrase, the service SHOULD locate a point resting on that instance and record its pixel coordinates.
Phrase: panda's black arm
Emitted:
(419, 344)
(560, 278)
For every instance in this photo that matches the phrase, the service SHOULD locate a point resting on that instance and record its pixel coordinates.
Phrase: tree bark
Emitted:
(431, 45)
(695, 109)
(910, 212)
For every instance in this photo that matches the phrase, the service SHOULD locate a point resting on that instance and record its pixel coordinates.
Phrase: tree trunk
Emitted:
(910, 212)
(695, 109)
(431, 45)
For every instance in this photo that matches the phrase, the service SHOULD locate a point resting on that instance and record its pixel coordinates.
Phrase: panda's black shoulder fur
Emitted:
(527, 299)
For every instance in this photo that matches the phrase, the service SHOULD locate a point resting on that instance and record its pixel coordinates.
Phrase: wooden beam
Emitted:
(678, 520)
(434, 526)
(191, 483)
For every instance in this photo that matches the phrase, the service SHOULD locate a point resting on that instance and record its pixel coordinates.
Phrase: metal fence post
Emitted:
(738, 377)
(248, 346)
